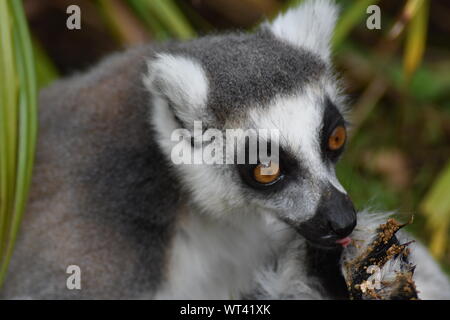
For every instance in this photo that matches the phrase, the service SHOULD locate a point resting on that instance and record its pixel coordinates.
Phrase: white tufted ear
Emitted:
(310, 25)
(180, 81)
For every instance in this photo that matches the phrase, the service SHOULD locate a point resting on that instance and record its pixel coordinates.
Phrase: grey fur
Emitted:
(250, 69)
(102, 193)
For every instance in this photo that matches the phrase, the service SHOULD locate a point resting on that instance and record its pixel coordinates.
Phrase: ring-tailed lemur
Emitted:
(107, 198)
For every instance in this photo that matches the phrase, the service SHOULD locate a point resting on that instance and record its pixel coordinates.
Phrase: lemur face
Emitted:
(277, 79)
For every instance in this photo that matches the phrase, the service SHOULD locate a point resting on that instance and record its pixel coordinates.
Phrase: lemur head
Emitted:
(278, 79)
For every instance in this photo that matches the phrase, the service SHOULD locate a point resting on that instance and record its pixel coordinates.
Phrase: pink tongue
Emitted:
(344, 241)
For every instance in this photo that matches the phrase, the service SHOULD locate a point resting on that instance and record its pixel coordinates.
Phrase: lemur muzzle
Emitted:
(333, 222)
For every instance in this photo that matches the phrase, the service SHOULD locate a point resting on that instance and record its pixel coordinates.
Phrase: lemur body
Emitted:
(107, 198)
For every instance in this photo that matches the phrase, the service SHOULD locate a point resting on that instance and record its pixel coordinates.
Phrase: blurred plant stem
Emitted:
(436, 207)
(416, 39)
(349, 19)
(163, 18)
(386, 49)
(19, 123)
(124, 25)
(46, 71)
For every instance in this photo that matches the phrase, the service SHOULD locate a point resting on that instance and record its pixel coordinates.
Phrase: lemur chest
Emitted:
(211, 259)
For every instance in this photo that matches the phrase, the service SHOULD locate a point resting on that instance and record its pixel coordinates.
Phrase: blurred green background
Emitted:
(397, 79)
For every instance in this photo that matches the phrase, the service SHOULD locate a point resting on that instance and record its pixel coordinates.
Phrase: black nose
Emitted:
(340, 212)
(343, 228)
(335, 219)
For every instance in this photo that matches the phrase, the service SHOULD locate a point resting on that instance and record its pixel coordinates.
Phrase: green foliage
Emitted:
(355, 14)
(436, 206)
(164, 18)
(18, 119)
(416, 39)
(46, 72)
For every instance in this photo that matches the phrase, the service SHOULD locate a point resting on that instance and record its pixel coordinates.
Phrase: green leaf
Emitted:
(21, 137)
(416, 39)
(164, 17)
(349, 19)
(46, 71)
(436, 207)
(8, 120)
(157, 29)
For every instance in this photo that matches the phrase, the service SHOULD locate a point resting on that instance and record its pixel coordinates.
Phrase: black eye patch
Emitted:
(332, 118)
(288, 165)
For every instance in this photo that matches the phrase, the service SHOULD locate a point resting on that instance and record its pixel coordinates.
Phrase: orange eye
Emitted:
(267, 173)
(337, 138)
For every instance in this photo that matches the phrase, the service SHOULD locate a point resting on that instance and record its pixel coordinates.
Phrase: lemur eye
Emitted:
(267, 173)
(337, 138)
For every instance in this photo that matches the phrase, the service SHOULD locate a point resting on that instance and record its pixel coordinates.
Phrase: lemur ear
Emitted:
(181, 82)
(310, 25)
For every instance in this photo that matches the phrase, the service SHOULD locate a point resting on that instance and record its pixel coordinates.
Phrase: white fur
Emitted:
(181, 80)
(211, 259)
(309, 26)
(431, 282)
(286, 276)
(203, 181)
(184, 84)
(299, 121)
